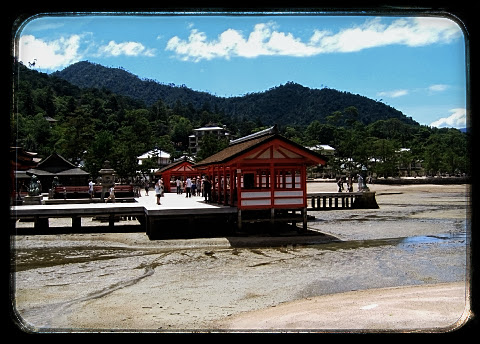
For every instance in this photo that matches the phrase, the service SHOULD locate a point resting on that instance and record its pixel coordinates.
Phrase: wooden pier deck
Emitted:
(176, 212)
(148, 213)
(341, 200)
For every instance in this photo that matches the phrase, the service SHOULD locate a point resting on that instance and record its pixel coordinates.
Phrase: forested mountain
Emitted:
(90, 123)
(289, 104)
(90, 75)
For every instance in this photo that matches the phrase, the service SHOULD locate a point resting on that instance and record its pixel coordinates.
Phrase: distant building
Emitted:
(20, 161)
(407, 165)
(324, 150)
(325, 171)
(162, 158)
(182, 169)
(263, 175)
(57, 166)
(195, 140)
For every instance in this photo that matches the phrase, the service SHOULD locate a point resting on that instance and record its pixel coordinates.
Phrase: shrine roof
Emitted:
(175, 164)
(235, 150)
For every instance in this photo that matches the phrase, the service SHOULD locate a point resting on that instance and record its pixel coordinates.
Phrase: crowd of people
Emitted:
(202, 187)
(198, 187)
(362, 186)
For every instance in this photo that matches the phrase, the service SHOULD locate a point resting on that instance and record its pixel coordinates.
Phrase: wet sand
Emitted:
(414, 248)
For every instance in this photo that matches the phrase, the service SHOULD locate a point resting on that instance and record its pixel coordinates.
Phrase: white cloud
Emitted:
(458, 119)
(49, 55)
(393, 94)
(61, 52)
(125, 48)
(437, 88)
(266, 40)
(432, 89)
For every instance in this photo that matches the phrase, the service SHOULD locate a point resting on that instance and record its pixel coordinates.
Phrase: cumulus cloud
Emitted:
(458, 119)
(437, 88)
(50, 54)
(61, 52)
(125, 48)
(265, 39)
(393, 94)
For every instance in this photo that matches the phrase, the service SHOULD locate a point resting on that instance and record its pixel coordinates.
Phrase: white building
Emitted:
(195, 140)
(162, 158)
(325, 150)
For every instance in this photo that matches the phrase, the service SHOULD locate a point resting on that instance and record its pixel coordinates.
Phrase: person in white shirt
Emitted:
(188, 187)
(179, 186)
(158, 191)
(111, 196)
(90, 188)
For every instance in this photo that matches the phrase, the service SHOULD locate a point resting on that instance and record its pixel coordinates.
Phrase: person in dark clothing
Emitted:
(207, 185)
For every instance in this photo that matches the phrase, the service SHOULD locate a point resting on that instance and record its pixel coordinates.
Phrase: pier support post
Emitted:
(239, 219)
(41, 222)
(304, 213)
(76, 222)
(111, 221)
(366, 201)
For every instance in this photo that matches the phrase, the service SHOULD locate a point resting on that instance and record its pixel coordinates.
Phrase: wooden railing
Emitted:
(341, 200)
(60, 192)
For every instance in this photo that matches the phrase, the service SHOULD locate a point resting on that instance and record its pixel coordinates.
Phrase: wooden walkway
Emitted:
(341, 200)
(174, 212)
(145, 209)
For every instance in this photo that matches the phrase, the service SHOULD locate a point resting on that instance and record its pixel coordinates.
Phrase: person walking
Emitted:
(194, 186)
(207, 186)
(188, 188)
(199, 187)
(179, 186)
(158, 192)
(146, 188)
(90, 188)
(350, 184)
(360, 182)
(111, 195)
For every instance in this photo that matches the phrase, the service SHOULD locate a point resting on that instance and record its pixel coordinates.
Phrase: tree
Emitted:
(181, 128)
(78, 132)
(49, 102)
(158, 112)
(101, 149)
(334, 118)
(211, 145)
(351, 115)
(34, 133)
(445, 151)
(384, 152)
(293, 134)
(28, 102)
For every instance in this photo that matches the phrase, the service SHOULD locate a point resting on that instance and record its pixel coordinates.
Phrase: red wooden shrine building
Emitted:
(181, 169)
(264, 175)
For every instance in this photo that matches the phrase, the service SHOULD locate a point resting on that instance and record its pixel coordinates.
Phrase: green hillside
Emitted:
(90, 123)
(289, 104)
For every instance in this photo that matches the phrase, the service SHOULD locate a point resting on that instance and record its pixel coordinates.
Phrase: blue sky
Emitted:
(414, 64)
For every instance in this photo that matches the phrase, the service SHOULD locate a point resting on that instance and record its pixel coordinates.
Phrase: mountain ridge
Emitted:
(286, 104)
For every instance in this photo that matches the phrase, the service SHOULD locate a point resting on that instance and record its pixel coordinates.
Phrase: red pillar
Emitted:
(224, 186)
(303, 183)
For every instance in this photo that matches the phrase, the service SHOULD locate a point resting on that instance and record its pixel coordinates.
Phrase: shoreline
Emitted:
(407, 308)
(103, 282)
(407, 180)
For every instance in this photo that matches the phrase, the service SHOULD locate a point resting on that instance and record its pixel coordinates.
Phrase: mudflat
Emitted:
(402, 267)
